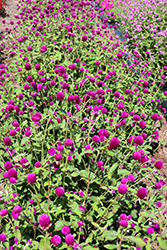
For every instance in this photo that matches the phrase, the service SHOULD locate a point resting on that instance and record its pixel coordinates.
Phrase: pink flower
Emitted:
(123, 223)
(7, 165)
(158, 165)
(114, 142)
(60, 96)
(56, 240)
(150, 230)
(65, 230)
(68, 142)
(60, 191)
(136, 156)
(58, 157)
(84, 38)
(69, 239)
(82, 208)
(31, 178)
(80, 223)
(7, 141)
(2, 237)
(138, 140)
(122, 188)
(3, 212)
(44, 221)
(142, 193)
(51, 151)
(88, 147)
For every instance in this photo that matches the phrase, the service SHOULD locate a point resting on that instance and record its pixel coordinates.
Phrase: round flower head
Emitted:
(51, 151)
(2, 237)
(56, 240)
(37, 164)
(31, 178)
(142, 193)
(7, 141)
(60, 96)
(123, 216)
(150, 230)
(158, 165)
(114, 142)
(88, 147)
(68, 142)
(44, 221)
(69, 239)
(122, 188)
(84, 38)
(60, 191)
(65, 230)
(27, 66)
(80, 223)
(136, 156)
(7, 165)
(138, 140)
(123, 223)
(131, 177)
(58, 157)
(3, 212)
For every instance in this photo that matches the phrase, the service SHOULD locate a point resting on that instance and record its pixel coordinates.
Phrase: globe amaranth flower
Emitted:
(3, 212)
(31, 178)
(114, 143)
(88, 147)
(138, 140)
(2, 237)
(131, 177)
(122, 188)
(123, 223)
(68, 142)
(84, 38)
(65, 230)
(60, 191)
(56, 240)
(70, 240)
(58, 157)
(158, 165)
(150, 230)
(51, 151)
(136, 156)
(7, 165)
(60, 96)
(44, 221)
(16, 211)
(142, 193)
(7, 141)
(80, 223)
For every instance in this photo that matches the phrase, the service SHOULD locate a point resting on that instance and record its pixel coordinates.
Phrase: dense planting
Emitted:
(78, 123)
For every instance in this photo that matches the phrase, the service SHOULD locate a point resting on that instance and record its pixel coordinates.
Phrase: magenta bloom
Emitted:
(7, 141)
(131, 177)
(68, 142)
(2, 237)
(31, 178)
(150, 230)
(123, 223)
(44, 221)
(60, 191)
(51, 151)
(138, 140)
(80, 223)
(84, 38)
(37, 164)
(158, 165)
(142, 193)
(60, 96)
(7, 165)
(58, 157)
(114, 142)
(3, 212)
(136, 156)
(88, 147)
(82, 208)
(27, 66)
(65, 230)
(69, 239)
(56, 240)
(122, 188)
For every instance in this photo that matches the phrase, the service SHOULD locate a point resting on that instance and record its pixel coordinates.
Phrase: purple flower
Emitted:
(123, 223)
(56, 240)
(44, 221)
(65, 230)
(31, 178)
(7, 141)
(51, 151)
(60, 96)
(158, 165)
(68, 142)
(150, 230)
(84, 38)
(136, 156)
(114, 142)
(60, 191)
(70, 240)
(142, 193)
(122, 188)
(3, 212)
(2, 237)
(138, 140)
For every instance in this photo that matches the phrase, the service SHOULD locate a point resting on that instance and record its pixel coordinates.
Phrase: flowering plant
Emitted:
(76, 136)
(2, 3)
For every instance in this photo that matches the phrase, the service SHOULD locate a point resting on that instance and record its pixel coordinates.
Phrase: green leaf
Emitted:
(137, 240)
(24, 140)
(148, 246)
(89, 248)
(59, 225)
(146, 214)
(123, 172)
(110, 246)
(112, 169)
(162, 243)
